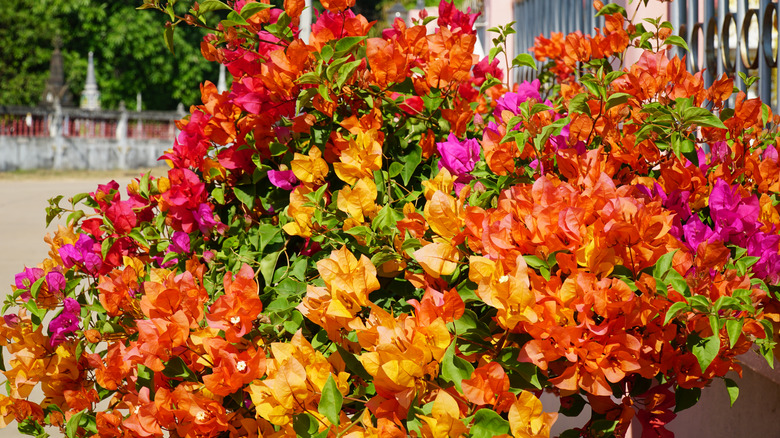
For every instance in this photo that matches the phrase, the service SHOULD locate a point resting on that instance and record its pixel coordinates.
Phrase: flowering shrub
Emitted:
(376, 237)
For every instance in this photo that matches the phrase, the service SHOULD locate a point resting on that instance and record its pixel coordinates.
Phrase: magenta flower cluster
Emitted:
(735, 221)
(85, 253)
(66, 322)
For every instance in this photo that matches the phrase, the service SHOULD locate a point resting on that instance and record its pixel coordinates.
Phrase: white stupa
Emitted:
(90, 97)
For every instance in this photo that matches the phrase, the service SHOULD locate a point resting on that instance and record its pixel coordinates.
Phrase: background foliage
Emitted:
(129, 54)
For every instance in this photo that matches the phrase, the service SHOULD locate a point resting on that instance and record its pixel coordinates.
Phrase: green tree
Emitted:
(130, 55)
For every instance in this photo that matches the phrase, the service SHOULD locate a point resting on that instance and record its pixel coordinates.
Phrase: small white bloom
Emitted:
(241, 365)
(235, 319)
(201, 416)
(503, 279)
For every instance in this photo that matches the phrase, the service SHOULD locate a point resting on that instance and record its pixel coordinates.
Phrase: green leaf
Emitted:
(493, 52)
(702, 117)
(675, 40)
(573, 406)
(674, 309)
(678, 282)
(579, 104)
(705, 349)
(79, 197)
(411, 245)
(326, 54)
(36, 287)
(714, 323)
(534, 261)
(611, 8)
(293, 322)
(346, 43)
(268, 266)
(145, 379)
(383, 256)
(251, 9)
(663, 265)
(524, 60)
(387, 218)
(454, 369)
(136, 235)
(611, 76)
(235, 19)
(31, 427)
(73, 424)
(105, 246)
(413, 159)
(528, 372)
(734, 329)
(395, 169)
(685, 398)
(733, 390)
(305, 424)
(171, 13)
(334, 67)
(490, 81)
(304, 97)
(700, 303)
(487, 424)
(346, 71)
(212, 5)
(246, 194)
(330, 401)
(176, 368)
(352, 364)
(268, 234)
(617, 99)
(168, 35)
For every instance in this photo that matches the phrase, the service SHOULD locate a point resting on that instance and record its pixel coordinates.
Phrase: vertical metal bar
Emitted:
(709, 12)
(777, 70)
(539, 21)
(682, 11)
(723, 9)
(546, 18)
(571, 17)
(764, 71)
(691, 20)
(674, 16)
(741, 8)
(522, 34)
(591, 19)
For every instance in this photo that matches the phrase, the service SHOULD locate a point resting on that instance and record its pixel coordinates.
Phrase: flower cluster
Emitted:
(375, 236)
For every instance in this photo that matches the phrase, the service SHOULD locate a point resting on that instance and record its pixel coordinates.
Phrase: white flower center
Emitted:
(503, 279)
(241, 365)
(200, 416)
(235, 319)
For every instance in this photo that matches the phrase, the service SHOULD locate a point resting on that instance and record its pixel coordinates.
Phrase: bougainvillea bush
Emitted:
(379, 237)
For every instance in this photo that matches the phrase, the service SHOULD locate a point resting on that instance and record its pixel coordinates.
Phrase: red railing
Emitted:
(151, 129)
(73, 122)
(24, 125)
(89, 128)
